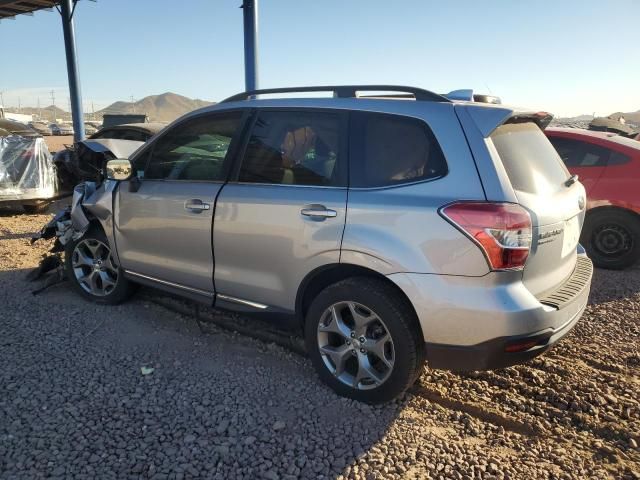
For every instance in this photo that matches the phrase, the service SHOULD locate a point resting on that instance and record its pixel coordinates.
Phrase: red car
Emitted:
(608, 166)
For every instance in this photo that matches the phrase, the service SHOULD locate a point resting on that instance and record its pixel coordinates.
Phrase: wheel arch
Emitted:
(320, 278)
(601, 209)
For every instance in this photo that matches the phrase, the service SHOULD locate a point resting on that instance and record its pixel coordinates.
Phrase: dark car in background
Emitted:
(608, 166)
(140, 132)
(83, 160)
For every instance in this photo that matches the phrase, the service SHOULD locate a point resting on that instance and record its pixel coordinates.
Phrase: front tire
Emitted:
(93, 272)
(363, 339)
(612, 238)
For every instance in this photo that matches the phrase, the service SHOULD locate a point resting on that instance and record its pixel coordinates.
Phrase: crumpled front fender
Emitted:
(98, 202)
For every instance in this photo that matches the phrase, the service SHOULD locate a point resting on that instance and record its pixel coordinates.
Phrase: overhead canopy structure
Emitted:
(11, 8)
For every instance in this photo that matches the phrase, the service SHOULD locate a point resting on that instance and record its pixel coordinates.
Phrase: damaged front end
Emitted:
(91, 205)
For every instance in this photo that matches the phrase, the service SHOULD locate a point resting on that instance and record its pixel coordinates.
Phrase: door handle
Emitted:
(319, 212)
(196, 205)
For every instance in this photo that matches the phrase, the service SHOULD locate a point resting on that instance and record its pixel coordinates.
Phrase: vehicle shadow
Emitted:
(610, 285)
(244, 398)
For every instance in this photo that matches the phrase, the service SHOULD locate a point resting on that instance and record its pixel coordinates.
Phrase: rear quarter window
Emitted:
(390, 150)
(531, 162)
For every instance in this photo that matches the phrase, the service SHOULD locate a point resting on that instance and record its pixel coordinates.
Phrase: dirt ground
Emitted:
(58, 142)
(75, 402)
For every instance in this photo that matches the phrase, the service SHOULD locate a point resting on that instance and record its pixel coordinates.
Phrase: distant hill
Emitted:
(159, 108)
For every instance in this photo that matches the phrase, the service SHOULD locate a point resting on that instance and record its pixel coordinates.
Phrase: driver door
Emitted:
(164, 229)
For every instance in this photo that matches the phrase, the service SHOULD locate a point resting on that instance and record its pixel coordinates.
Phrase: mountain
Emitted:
(159, 108)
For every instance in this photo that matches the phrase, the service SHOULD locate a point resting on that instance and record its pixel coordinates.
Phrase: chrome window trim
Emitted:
(265, 184)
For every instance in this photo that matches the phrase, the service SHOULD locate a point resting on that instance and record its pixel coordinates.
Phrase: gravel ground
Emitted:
(138, 391)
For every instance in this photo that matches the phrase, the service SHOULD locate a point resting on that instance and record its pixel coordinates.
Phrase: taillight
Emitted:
(501, 230)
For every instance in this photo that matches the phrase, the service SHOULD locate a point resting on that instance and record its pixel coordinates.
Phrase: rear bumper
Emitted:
(493, 354)
(474, 323)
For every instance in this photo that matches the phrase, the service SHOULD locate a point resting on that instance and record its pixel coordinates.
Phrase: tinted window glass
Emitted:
(580, 154)
(293, 148)
(530, 160)
(618, 158)
(391, 149)
(194, 150)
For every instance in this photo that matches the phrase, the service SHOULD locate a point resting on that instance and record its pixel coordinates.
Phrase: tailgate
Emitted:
(555, 202)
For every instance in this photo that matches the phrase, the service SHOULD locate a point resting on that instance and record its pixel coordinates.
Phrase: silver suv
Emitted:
(393, 228)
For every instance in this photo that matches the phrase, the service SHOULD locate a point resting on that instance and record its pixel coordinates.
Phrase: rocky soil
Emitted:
(139, 391)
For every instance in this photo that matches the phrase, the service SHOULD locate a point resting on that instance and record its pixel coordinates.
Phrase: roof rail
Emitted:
(344, 91)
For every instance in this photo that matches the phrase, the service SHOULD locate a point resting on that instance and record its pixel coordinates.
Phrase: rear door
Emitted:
(164, 228)
(539, 179)
(284, 214)
(585, 159)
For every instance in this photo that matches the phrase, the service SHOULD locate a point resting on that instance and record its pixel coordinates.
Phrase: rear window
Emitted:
(392, 149)
(531, 162)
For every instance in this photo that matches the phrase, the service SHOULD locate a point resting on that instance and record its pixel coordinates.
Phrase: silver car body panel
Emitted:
(264, 246)
(159, 237)
(404, 219)
(458, 310)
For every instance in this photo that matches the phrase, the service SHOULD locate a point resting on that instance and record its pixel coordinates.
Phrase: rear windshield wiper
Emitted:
(571, 180)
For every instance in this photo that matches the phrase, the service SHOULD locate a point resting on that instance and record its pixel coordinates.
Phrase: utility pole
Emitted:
(39, 110)
(133, 105)
(53, 103)
(1, 98)
(19, 106)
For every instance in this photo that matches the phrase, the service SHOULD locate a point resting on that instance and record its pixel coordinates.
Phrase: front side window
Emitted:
(391, 149)
(294, 148)
(194, 150)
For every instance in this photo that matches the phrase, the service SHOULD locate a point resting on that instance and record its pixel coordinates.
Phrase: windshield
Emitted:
(531, 162)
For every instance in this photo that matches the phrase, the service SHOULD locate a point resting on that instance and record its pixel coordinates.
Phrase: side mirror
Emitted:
(119, 169)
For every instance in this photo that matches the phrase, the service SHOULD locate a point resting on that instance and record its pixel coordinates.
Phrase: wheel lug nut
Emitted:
(348, 342)
(362, 350)
(362, 339)
(354, 352)
(353, 334)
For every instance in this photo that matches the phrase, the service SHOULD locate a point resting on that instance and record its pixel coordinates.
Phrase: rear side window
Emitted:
(618, 158)
(580, 154)
(391, 149)
(531, 162)
(294, 148)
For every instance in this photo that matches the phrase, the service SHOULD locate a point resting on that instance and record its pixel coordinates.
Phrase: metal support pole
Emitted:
(250, 16)
(66, 12)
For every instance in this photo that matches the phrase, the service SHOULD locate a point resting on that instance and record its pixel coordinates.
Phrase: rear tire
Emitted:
(92, 270)
(363, 339)
(612, 238)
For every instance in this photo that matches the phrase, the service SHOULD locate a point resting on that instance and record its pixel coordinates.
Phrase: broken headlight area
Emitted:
(67, 225)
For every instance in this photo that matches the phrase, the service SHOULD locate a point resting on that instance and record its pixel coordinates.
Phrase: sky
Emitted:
(568, 57)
